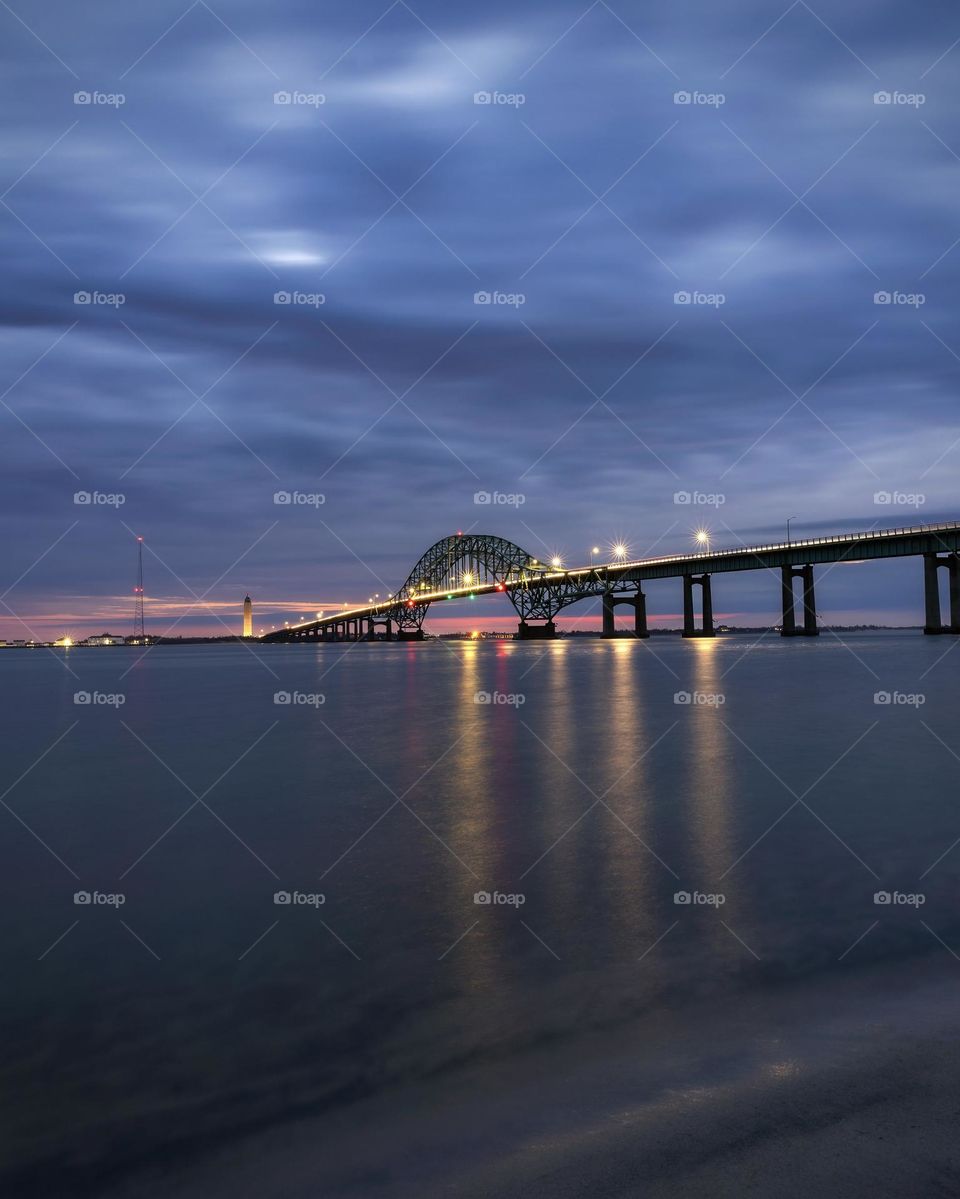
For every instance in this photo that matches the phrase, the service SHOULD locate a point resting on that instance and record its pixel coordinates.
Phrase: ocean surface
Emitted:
(686, 956)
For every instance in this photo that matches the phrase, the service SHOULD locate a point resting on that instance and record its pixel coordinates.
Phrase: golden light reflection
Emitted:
(631, 873)
(710, 789)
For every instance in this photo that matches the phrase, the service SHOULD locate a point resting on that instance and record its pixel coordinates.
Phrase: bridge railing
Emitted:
(788, 545)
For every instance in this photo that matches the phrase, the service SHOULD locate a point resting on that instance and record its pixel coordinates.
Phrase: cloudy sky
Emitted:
(187, 168)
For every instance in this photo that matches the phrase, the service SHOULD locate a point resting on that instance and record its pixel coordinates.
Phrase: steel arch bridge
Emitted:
(468, 565)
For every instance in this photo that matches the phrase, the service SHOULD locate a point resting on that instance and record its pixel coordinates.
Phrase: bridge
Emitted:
(470, 565)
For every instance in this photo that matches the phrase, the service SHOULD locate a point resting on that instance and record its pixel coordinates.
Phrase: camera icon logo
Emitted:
(481, 697)
(81, 697)
(282, 98)
(482, 497)
(682, 497)
(82, 497)
(881, 697)
(482, 897)
(682, 697)
(81, 897)
(681, 297)
(881, 297)
(281, 897)
(882, 97)
(882, 497)
(81, 297)
(81, 97)
(282, 497)
(482, 98)
(681, 897)
(281, 297)
(682, 97)
(881, 897)
(282, 697)
(481, 297)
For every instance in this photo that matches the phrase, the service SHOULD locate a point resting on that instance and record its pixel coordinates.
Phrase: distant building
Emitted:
(247, 617)
(104, 639)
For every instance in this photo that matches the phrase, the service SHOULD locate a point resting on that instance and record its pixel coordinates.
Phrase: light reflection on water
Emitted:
(596, 798)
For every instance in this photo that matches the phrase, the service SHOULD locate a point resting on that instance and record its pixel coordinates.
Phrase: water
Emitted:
(200, 1017)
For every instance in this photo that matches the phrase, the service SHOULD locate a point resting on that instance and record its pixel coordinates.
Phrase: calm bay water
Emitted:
(200, 1017)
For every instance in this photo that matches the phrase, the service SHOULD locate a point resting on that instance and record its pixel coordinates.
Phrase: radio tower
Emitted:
(138, 629)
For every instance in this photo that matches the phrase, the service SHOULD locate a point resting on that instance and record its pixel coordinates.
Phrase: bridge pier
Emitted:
(536, 632)
(689, 623)
(410, 635)
(931, 586)
(788, 626)
(639, 605)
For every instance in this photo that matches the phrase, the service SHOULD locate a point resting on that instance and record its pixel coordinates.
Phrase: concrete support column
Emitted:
(536, 632)
(706, 605)
(388, 630)
(609, 619)
(640, 615)
(809, 602)
(689, 629)
(788, 624)
(931, 594)
(953, 567)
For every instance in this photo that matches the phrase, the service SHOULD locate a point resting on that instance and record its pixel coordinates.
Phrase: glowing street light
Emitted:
(620, 551)
(593, 553)
(556, 563)
(702, 537)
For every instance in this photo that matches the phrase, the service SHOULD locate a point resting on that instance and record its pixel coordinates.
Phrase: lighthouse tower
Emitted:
(247, 617)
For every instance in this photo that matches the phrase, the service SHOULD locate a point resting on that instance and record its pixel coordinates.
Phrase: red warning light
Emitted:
(459, 532)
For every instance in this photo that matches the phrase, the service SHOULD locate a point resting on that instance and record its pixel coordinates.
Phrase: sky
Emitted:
(538, 270)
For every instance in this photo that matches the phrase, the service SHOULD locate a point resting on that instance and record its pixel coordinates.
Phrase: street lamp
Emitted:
(789, 519)
(620, 551)
(556, 562)
(593, 553)
(703, 538)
